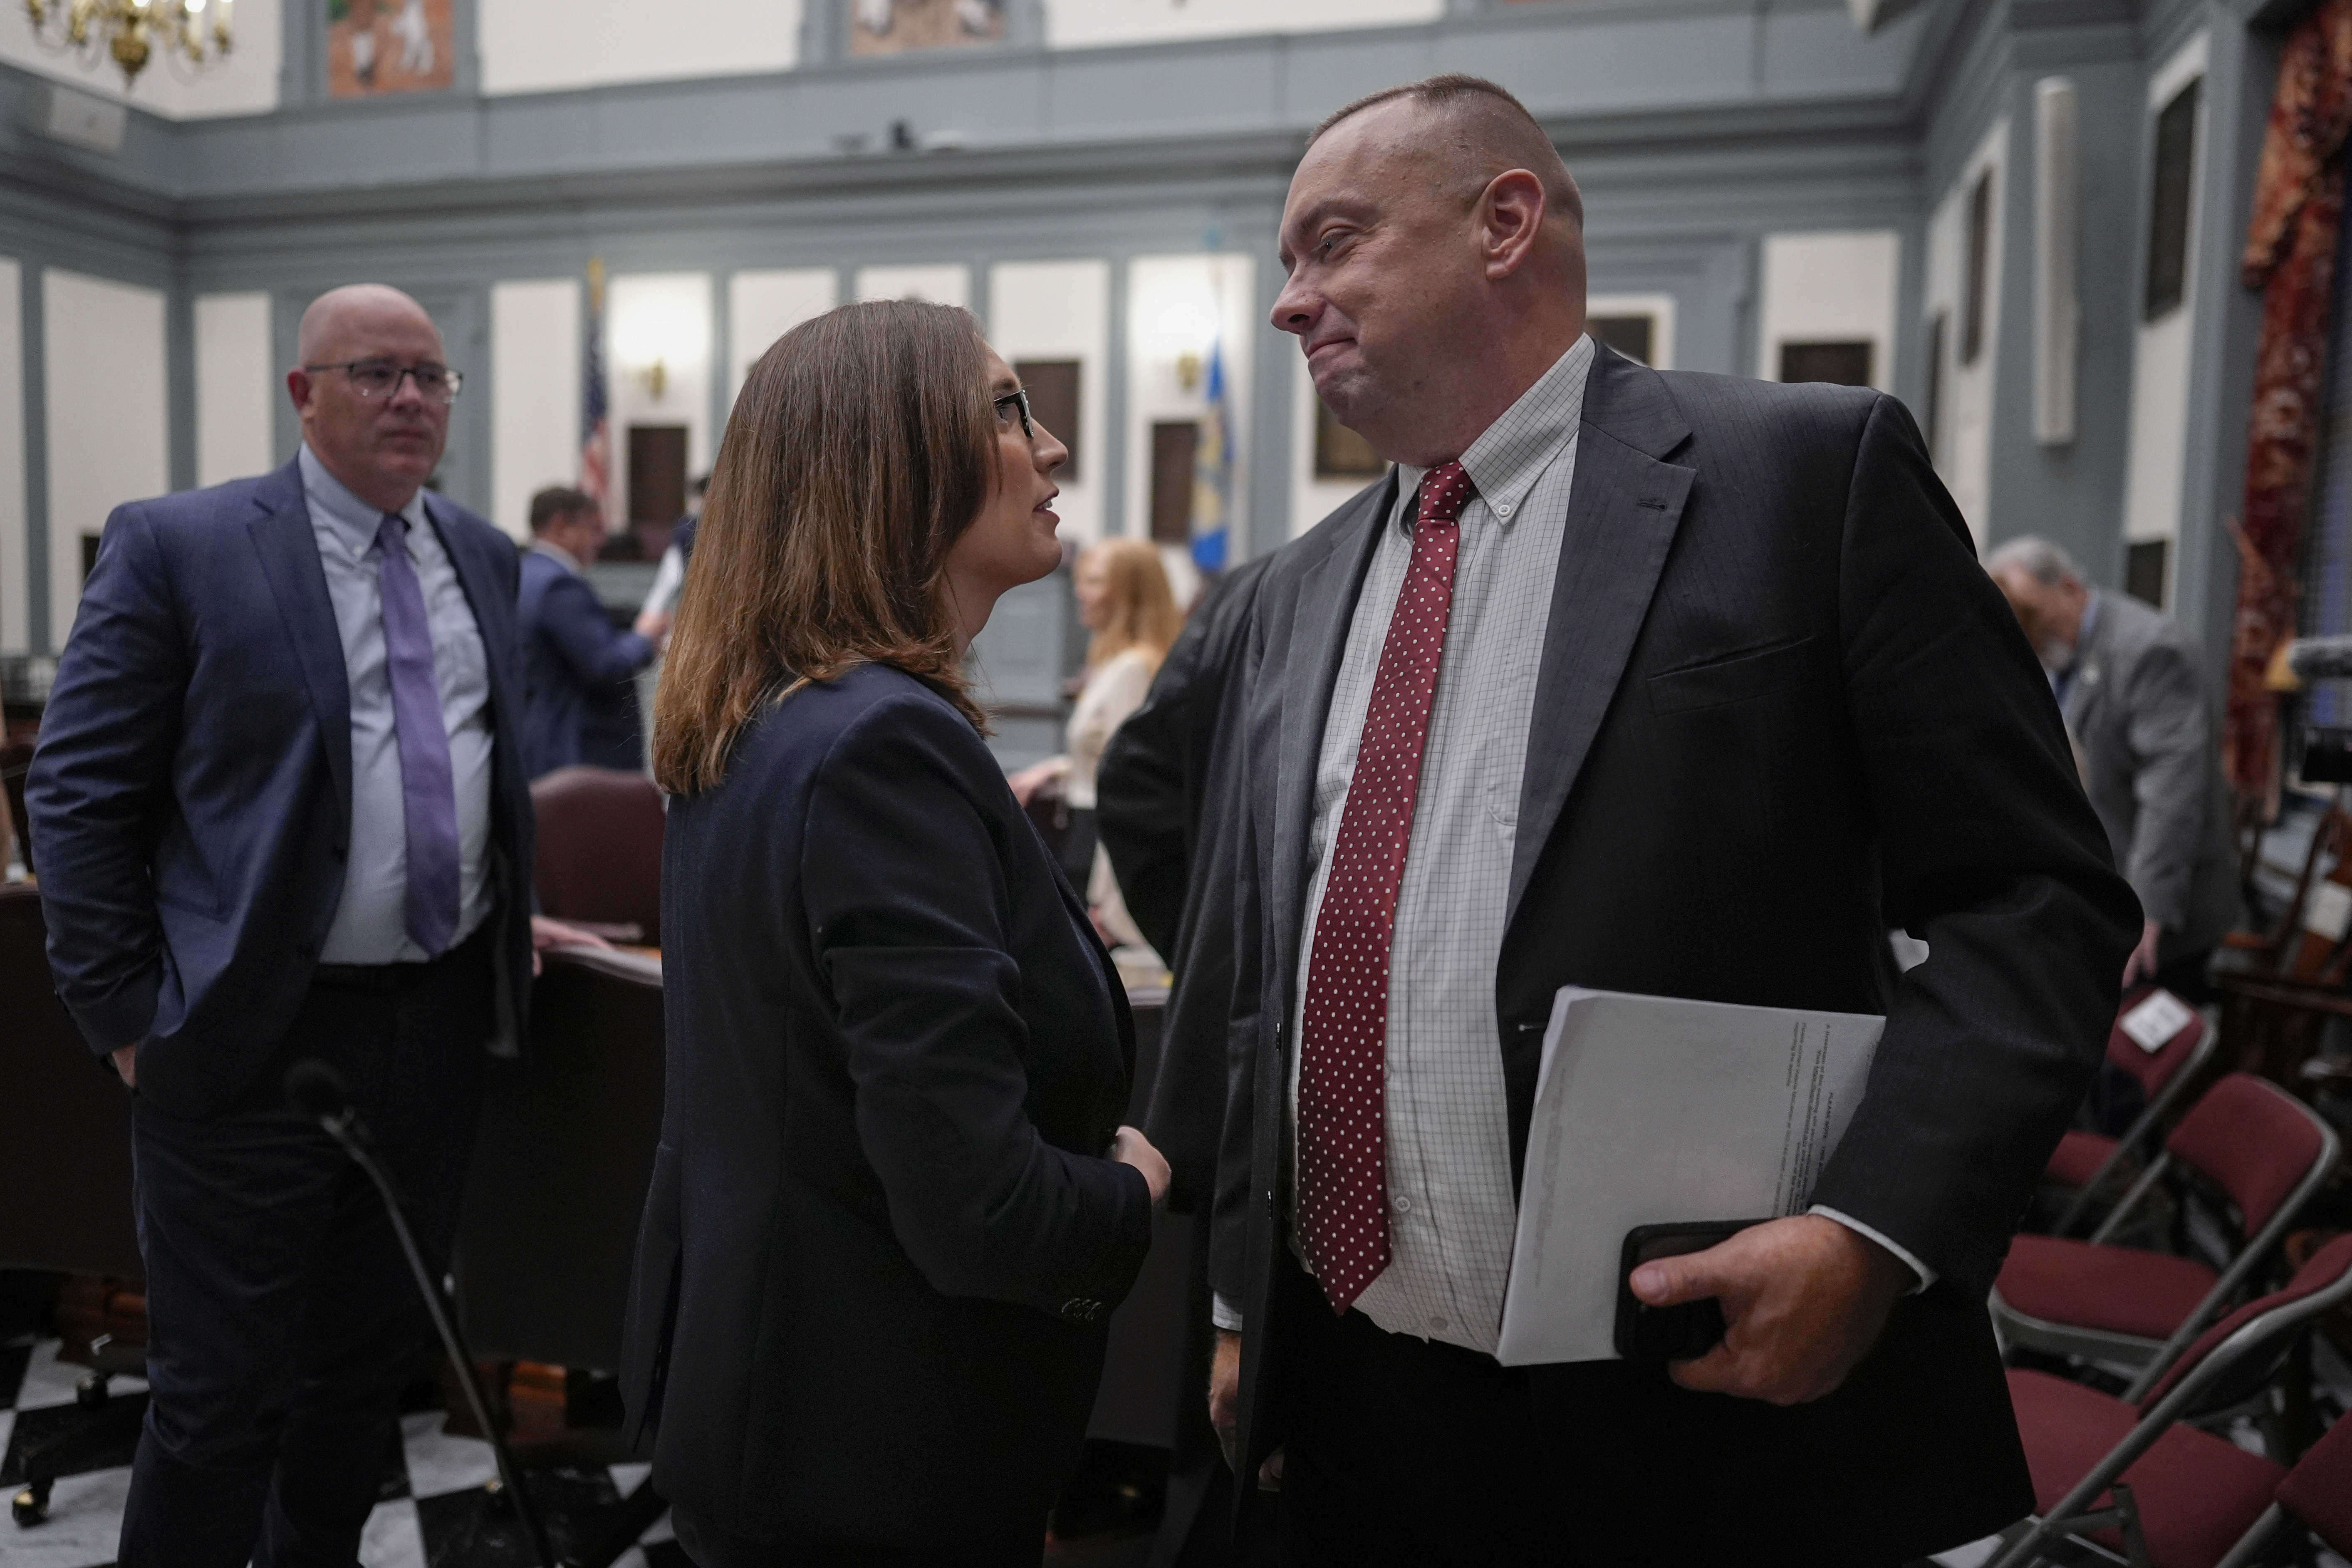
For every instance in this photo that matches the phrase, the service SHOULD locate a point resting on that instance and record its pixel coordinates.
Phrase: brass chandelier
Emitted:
(194, 35)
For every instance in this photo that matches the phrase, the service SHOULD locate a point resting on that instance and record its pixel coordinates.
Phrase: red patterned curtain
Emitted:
(2291, 258)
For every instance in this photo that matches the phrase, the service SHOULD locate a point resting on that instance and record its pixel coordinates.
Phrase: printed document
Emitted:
(1656, 1110)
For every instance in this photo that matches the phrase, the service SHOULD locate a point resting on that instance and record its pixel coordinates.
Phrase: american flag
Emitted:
(595, 434)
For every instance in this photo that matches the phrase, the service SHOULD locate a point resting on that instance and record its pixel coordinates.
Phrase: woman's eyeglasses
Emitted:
(1014, 404)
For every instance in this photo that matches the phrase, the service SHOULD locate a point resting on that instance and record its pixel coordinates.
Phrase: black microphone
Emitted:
(317, 1093)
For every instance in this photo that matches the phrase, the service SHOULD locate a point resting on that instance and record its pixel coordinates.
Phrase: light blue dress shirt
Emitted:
(371, 921)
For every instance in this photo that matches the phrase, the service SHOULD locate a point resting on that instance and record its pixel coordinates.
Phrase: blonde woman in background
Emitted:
(1124, 599)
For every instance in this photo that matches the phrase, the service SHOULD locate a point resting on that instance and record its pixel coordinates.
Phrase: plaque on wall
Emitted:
(375, 47)
(1629, 335)
(1052, 388)
(1340, 453)
(1844, 363)
(899, 26)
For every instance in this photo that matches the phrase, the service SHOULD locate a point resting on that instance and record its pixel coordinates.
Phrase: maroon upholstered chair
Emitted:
(2088, 1162)
(2137, 1477)
(65, 1167)
(598, 864)
(2264, 1150)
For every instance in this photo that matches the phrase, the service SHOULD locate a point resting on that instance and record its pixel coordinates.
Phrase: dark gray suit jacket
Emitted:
(1780, 709)
(2138, 712)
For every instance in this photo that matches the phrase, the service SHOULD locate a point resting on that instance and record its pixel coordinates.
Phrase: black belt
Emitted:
(382, 979)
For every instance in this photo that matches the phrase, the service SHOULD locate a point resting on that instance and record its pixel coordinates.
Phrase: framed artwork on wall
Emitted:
(901, 26)
(379, 47)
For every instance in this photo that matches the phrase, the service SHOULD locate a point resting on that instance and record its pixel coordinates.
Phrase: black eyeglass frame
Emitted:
(454, 380)
(1020, 396)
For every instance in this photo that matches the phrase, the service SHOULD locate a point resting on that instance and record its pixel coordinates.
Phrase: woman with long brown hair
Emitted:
(893, 1207)
(1124, 600)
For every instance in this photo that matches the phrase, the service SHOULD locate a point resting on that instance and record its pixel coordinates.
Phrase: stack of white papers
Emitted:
(1656, 1110)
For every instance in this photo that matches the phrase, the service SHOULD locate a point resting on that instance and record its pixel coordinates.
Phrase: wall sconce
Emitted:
(1188, 369)
(1178, 320)
(651, 333)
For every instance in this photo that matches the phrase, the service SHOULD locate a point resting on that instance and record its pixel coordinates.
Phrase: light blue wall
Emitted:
(1695, 127)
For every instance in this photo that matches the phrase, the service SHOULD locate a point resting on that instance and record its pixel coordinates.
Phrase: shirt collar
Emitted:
(352, 519)
(1510, 455)
(561, 557)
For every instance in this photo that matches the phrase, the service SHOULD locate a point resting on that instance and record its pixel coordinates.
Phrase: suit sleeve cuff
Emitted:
(1225, 1314)
(1927, 1275)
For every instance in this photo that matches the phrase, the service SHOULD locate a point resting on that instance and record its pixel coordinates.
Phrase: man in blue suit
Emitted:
(277, 819)
(580, 669)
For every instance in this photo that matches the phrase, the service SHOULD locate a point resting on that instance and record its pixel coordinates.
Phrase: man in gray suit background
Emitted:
(2128, 685)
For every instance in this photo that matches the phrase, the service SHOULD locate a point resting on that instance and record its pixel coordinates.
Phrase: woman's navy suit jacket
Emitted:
(883, 1244)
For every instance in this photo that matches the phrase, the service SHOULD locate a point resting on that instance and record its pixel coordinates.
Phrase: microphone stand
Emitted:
(344, 1126)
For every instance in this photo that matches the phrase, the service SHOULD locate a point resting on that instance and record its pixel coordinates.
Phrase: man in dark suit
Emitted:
(1679, 685)
(276, 821)
(580, 669)
(1163, 798)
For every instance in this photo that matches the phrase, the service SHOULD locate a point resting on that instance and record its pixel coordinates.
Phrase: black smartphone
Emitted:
(1687, 1330)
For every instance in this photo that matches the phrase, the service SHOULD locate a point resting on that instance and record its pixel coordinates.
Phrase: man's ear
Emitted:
(297, 387)
(1510, 214)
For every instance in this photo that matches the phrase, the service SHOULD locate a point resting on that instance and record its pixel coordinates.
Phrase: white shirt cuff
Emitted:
(1927, 1275)
(1224, 1314)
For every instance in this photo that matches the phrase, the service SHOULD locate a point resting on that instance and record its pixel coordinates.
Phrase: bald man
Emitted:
(1671, 684)
(279, 818)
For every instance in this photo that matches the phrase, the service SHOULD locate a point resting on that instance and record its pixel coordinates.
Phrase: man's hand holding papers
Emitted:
(1803, 1299)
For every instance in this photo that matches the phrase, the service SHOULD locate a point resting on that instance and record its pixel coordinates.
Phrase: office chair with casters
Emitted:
(65, 1164)
(598, 861)
(2265, 1151)
(2140, 1480)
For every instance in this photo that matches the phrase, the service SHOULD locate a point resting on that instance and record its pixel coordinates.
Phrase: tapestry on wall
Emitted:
(897, 26)
(378, 47)
(2291, 257)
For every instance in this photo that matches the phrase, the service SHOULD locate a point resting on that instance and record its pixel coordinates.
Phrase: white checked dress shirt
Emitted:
(1451, 1214)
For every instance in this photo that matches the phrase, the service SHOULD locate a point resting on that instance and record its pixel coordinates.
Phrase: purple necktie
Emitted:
(428, 798)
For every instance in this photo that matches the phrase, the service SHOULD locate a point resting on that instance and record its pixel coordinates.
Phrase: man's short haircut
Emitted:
(556, 502)
(1485, 117)
(2039, 559)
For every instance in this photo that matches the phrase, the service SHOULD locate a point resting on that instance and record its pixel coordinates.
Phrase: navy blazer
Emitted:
(580, 672)
(191, 795)
(882, 1243)
(1779, 707)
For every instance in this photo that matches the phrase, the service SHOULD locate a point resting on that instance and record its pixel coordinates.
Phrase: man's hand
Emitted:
(1225, 1410)
(653, 624)
(2142, 961)
(1128, 1146)
(546, 934)
(1804, 1300)
(126, 1064)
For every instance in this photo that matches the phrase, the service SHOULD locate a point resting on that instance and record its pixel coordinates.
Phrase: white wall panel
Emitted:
(1061, 310)
(1964, 402)
(541, 46)
(946, 284)
(763, 306)
(534, 394)
(108, 437)
(246, 82)
(1077, 23)
(236, 386)
(664, 318)
(1831, 287)
(2155, 475)
(16, 593)
(1178, 306)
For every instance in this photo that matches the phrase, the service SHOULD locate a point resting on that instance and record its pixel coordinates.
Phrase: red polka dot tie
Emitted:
(1343, 1215)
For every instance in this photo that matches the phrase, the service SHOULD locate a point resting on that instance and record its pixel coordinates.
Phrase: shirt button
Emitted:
(1438, 1324)
(1404, 1203)
(1502, 512)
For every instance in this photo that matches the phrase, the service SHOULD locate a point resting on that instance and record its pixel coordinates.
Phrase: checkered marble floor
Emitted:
(432, 1514)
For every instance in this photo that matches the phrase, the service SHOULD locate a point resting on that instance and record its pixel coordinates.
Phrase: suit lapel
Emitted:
(1325, 607)
(1624, 505)
(280, 527)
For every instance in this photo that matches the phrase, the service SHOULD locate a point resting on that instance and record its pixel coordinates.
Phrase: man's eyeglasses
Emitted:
(1019, 402)
(382, 378)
